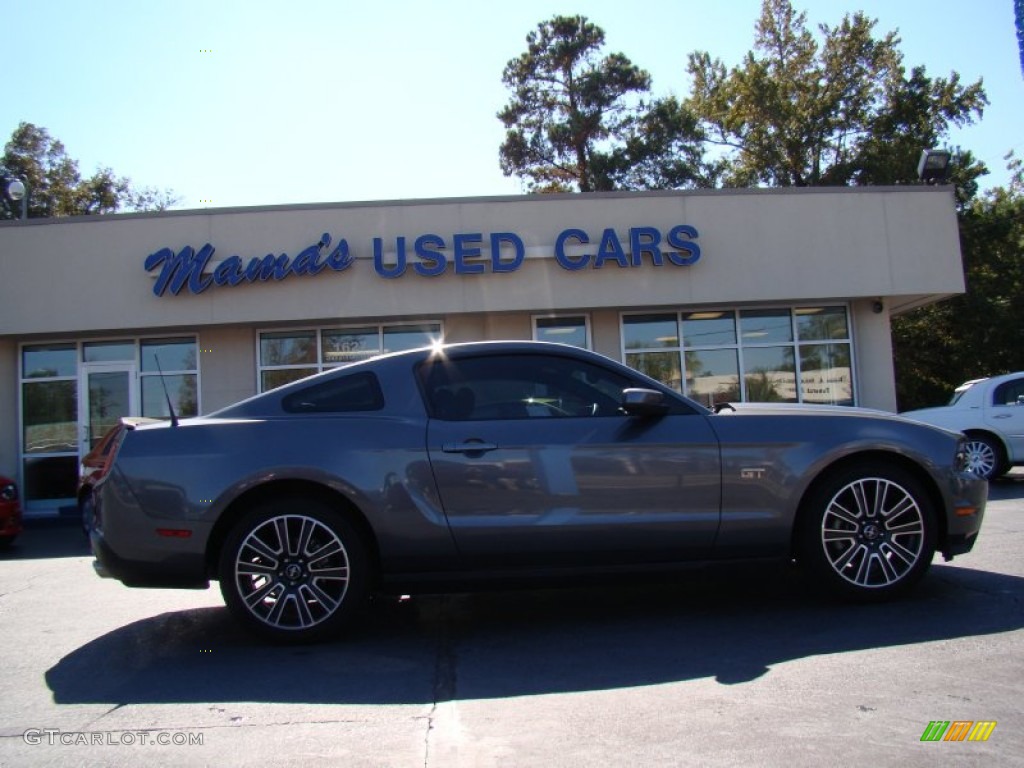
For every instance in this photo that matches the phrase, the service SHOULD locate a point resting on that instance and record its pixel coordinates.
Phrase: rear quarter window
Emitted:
(348, 394)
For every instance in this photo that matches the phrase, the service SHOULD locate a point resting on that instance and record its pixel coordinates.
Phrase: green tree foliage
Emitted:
(572, 109)
(839, 111)
(56, 188)
(978, 333)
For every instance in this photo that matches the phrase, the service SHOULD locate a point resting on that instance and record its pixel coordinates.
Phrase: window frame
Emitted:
(795, 345)
(318, 332)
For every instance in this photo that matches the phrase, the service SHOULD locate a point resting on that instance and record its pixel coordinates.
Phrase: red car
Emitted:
(10, 512)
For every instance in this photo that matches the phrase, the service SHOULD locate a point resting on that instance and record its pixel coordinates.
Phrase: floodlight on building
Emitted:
(934, 165)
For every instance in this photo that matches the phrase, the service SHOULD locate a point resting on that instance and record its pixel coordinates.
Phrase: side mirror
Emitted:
(643, 402)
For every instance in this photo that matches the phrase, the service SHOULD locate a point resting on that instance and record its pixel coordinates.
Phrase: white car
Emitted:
(990, 412)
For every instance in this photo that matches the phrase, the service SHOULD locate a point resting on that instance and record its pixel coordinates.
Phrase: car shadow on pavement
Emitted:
(732, 627)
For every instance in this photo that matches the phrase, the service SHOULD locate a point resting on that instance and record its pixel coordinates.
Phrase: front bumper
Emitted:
(10, 520)
(964, 514)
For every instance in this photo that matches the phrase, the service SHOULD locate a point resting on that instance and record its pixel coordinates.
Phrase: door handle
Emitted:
(468, 446)
(1002, 416)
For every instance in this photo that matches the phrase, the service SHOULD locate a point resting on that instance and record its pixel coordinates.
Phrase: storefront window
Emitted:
(825, 373)
(73, 392)
(169, 370)
(287, 356)
(750, 354)
(349, 345)
(770, 374)
(650, 331)
(712, 376)
(49, 361)
(108, 351)
(562, 330)
(703, 329)
(766, 326)
(290, 348)
(49, 416)
(663, 366)
(401, 337)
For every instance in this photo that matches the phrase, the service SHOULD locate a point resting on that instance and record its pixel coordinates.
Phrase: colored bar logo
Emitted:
(958, 730)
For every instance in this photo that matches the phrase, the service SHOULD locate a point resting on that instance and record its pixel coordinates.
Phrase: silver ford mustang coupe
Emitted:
(466, 463)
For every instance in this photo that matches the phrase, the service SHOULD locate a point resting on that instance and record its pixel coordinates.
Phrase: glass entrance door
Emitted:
(109, 391)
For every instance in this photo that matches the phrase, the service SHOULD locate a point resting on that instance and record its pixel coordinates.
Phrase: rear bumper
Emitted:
(165, 574)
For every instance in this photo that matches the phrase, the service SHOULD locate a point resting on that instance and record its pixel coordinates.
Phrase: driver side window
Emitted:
(521, 386)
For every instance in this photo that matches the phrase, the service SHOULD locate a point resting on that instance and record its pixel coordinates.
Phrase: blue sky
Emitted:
(247, 102)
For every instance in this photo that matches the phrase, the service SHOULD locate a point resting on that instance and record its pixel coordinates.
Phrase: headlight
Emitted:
(960, 460)
(9, 492)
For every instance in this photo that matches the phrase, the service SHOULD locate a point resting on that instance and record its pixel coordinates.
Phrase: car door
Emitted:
(1005, 414)
(537, 465)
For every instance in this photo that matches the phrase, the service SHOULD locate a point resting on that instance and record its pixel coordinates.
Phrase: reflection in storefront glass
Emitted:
(562, 330)
(663, 366)
(273, 379)
(703, 329)
(825, 374)
(109, 351)
(821, 323)
(180, 387)
(50, 416)
(172, 355)
(288, 348)
(401, 337)
(108, 402)
(49, 360)
(765, 326)
(769, 375)
(650, 331)
(713, 376)
(350, 344)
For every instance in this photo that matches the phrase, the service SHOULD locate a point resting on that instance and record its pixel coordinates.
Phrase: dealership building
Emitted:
(726, 295)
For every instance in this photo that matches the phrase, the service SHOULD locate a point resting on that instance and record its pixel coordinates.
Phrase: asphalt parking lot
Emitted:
(712, 668)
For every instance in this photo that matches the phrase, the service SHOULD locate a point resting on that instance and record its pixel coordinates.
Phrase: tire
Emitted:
(294, 570)
(985, 456)
(6, 541)
(868, 532)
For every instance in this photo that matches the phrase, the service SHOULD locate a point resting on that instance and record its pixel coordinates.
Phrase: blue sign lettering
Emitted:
(430, 255)
(187, 267)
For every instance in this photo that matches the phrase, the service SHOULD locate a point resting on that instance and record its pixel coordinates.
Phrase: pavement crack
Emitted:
(445, 673)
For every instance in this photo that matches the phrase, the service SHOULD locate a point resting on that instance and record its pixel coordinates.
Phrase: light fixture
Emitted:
(12, 191)
(934, 165)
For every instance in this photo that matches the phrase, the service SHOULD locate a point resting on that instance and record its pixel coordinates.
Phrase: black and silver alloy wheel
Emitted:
(870, 532)
(293, 570)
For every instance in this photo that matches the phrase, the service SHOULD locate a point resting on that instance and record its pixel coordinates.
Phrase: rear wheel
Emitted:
(294, 570)
(868, 531)
(984, 456)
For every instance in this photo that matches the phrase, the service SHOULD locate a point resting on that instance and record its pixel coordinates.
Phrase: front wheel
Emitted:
(294, 570)
(868, 531)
